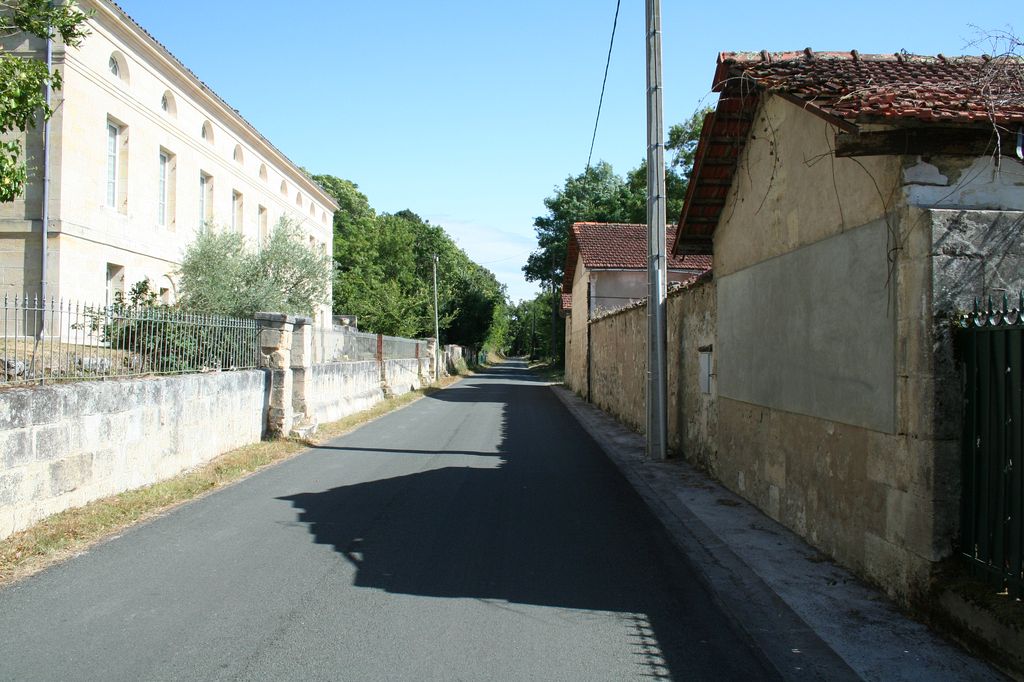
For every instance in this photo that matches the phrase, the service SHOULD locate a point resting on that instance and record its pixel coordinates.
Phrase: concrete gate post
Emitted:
(276, 330)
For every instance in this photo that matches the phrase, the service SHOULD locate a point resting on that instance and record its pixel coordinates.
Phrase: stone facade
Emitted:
(126, 201)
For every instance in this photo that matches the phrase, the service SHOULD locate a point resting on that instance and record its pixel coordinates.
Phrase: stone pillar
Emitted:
(301, 365)
(432, 364)
(275, 351)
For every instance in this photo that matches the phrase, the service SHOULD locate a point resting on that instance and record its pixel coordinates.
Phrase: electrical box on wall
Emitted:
(704, 370)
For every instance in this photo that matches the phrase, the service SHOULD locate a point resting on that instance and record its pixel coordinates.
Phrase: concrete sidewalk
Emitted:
(805, 612)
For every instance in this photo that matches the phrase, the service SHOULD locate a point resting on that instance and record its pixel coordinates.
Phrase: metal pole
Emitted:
(554, 311)
(437, 330)
(657, 371)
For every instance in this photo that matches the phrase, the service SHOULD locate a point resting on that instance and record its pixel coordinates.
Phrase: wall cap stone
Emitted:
(275, 317)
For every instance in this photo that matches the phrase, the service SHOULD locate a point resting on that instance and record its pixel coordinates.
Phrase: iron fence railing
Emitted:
(991, 345)
(343, 344)
(81, 341)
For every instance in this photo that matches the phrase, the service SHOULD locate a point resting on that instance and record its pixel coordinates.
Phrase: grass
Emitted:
(72, 531)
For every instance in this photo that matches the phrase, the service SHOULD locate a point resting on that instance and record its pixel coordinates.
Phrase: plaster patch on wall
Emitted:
(813, 331)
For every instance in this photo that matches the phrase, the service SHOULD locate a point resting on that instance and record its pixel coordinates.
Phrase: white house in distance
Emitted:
(142, 153)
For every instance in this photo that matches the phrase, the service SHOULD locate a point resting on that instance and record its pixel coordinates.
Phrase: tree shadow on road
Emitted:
(545, 519)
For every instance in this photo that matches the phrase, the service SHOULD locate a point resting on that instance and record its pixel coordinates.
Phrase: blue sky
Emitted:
(470, 113)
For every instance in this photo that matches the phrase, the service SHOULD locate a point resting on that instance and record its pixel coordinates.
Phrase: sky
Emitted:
(470, 113)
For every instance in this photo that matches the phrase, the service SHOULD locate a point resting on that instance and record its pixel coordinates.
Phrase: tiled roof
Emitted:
(566, 302)
(883, 87)
(620, 246)
(847, 89)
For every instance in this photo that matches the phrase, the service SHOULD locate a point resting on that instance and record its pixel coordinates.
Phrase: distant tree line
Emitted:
(384, 275)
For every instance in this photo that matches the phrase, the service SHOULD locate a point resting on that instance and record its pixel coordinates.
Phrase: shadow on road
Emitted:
(545, 519)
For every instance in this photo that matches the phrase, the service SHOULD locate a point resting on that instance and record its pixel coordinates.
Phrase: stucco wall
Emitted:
(63, 446)
(813, 331)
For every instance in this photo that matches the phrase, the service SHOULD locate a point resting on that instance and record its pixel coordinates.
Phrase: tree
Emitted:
(599, 195)
(384, 275)
(22, 79)
(221, 274)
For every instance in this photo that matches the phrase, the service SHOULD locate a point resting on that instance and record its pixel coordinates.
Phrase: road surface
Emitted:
(477, 534)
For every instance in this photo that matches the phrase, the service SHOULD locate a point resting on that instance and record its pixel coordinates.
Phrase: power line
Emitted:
(604, 81)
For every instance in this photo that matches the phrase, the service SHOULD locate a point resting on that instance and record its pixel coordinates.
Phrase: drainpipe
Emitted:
(47, 93)
(1020, 143)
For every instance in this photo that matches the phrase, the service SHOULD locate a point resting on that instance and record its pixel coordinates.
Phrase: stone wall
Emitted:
(63, 446)
(692, 413)
(343, 388)
(403, 376)
(618, 364)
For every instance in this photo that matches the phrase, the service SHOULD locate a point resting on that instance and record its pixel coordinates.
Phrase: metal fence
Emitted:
(343, 344)
(992, 511)
(81, 341)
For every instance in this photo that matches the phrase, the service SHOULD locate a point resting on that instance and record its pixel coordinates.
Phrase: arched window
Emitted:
(298, 199)
(323, 217)
(284, 188)
(239, 156)
(118, 67)
(312, 210)
(263, 172)
(207, 133)
(168, 105)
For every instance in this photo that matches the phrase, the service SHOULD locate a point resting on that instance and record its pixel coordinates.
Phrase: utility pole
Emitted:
(437, 330)
(657, 263)
(554, 309)
(533, 330)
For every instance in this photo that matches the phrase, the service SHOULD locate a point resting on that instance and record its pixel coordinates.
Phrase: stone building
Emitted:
(142, 153)
(852, 203)
(606, 269)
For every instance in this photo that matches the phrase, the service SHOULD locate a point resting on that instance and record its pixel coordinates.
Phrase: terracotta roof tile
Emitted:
(847, 89)
(871, 87)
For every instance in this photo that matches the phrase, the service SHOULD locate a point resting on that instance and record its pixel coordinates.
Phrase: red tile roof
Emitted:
(620, 246)
(847, 89)
(566, 302)
(883, 87)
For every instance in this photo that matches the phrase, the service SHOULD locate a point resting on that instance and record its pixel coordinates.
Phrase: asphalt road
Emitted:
(477, 534)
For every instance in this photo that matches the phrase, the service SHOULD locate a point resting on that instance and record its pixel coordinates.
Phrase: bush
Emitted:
(220, 273)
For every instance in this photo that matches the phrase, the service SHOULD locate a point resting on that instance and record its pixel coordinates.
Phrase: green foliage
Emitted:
(384, 274)
(221, 275)
(22, 78)
(600, 195)
(529, 329)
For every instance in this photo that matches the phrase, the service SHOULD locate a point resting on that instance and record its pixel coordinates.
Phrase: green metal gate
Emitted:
(992, 507)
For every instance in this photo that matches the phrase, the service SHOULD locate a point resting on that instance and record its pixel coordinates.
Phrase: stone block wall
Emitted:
(343, 388)
(65, 445)
(618, 365)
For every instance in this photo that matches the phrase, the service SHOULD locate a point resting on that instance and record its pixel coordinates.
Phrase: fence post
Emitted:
(275, 352)
(301, 367)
